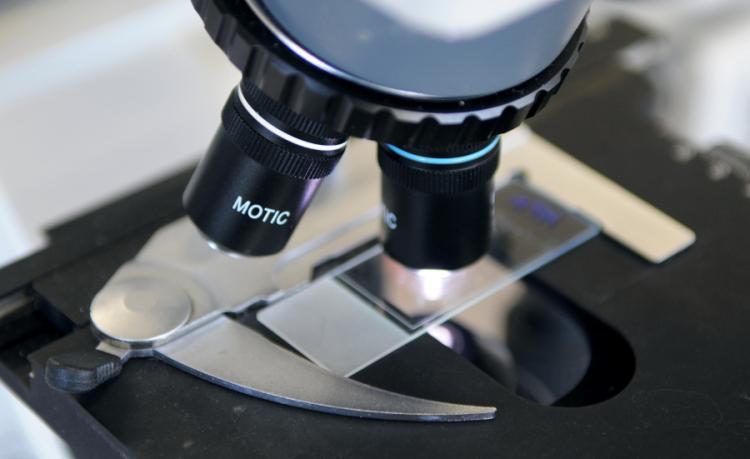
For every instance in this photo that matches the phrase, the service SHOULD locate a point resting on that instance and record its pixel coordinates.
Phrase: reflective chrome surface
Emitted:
(231, 355)
(141, 310)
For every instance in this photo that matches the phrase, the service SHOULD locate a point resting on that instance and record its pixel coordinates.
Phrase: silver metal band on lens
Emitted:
(284, 135)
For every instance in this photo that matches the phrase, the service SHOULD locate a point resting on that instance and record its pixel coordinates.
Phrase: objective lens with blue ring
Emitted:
(438, 203)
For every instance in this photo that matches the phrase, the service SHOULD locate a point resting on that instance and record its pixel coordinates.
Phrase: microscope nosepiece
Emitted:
(435, 105)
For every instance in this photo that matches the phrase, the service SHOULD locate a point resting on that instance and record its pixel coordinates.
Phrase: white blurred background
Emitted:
(97, 98)
(100, 97)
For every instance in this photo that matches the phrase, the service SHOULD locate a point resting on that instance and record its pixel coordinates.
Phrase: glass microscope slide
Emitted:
(346, 321)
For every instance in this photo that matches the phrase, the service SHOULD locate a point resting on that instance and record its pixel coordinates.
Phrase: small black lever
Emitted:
(81, 371)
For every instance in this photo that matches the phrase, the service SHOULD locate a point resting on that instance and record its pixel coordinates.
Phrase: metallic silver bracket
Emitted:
(169, 302)
(231, 355)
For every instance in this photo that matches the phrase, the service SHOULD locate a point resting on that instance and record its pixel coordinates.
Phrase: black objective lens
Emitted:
(438, 204)
(259, 175)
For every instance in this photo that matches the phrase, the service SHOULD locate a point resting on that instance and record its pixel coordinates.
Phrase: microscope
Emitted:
(336, 275)
(435, 96)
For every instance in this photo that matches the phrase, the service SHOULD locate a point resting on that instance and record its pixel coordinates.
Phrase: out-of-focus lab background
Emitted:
(99, 98)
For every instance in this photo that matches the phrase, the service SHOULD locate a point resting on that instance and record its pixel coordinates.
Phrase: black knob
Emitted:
(438, 204)
(82, 371)
(259, 175)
